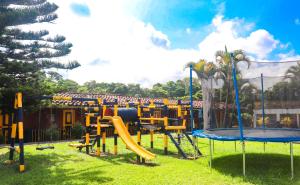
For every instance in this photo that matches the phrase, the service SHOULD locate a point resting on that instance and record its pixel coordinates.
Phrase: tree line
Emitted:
(172, 89)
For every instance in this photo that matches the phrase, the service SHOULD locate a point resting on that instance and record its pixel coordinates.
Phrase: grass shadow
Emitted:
(129, 158)
(51, 170)
(3, 156)
(172, 154)
(276, 166)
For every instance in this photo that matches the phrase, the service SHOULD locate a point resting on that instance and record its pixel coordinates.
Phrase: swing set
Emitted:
(48, 145)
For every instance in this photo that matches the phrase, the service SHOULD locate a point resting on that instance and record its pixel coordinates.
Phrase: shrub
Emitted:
(260, 121)
(2, 139)
(286, 121)
(52, 133)
(77, 131)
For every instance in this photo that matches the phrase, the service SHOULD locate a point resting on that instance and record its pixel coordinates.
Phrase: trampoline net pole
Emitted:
(292, 160)
(237, 101)
(191, 98)
(244, 158)
(262, 100)
(235, 146)
(210, 154)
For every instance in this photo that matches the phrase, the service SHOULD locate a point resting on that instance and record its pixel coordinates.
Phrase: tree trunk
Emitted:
(207, 100)
(225, 119)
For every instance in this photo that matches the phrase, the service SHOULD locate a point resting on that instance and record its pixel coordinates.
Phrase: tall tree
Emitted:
(293, 72)
(205, 72)
(25, 56)
(223, 58)
(209, 75)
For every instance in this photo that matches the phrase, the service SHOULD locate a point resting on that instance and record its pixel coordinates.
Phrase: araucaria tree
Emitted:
(26, 56)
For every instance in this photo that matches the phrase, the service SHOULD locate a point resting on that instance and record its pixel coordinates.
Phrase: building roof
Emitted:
(122, 100)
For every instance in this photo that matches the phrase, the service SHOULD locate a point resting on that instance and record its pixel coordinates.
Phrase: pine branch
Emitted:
(22, 35)
(21, 2)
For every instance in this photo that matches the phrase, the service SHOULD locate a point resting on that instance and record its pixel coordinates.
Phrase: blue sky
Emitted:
(151, 40)
(174, 17)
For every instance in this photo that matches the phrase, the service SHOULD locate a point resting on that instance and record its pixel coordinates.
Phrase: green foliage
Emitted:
(23, 65)
(52, 133)
(77, 130)
(67, 86)
(172, 89)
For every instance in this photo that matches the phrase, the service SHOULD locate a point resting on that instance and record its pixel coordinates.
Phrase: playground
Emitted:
(65, 166)
(134, 93)
(162, 149)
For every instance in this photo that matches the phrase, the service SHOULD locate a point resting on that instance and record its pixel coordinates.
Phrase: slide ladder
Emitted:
(179, 148)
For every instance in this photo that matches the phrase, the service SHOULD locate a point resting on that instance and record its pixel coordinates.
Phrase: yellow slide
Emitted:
(127, 139)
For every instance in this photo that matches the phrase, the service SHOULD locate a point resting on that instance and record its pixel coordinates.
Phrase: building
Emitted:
(63, 115)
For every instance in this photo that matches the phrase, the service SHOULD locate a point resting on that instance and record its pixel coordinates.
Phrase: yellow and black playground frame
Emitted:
(14, 129)
(151, 116)
(6, 118)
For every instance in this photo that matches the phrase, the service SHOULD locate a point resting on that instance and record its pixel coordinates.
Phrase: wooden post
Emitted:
(103, 141)
(98, 152)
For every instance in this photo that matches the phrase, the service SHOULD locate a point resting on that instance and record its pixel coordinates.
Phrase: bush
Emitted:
(2, 139)
(77, 131)
(52, 133)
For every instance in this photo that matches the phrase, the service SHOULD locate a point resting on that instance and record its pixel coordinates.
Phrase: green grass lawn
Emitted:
(65, 165)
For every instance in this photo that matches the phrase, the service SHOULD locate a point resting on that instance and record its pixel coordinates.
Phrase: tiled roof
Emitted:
(110, 98)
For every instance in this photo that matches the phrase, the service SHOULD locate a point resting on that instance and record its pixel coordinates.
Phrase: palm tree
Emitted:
(209, 75)
(223, 58)
(294, 72)
(206, 71)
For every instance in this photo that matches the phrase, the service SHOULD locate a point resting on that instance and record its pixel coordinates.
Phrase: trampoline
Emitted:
(267, 109)
(251, 134)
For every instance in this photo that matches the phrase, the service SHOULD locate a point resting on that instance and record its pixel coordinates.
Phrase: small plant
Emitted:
(260, 121)
(52, 133)
(247, 119)
(77, 130)
(286, 121)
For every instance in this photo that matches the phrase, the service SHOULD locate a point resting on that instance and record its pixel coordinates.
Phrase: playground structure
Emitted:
(15, 128)
(5, 125)
(167, 118)
(253, 94)
(151, 117)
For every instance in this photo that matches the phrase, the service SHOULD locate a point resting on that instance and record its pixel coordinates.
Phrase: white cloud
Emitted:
(188, 30)
(114, 46)
(229, 32)
(297, 21)
(284, 46)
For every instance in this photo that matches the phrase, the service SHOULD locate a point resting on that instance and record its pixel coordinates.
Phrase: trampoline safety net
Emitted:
(269, 97)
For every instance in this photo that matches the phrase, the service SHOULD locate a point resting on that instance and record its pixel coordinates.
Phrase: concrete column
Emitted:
(298, 124)
(278, 117)
(254, 120)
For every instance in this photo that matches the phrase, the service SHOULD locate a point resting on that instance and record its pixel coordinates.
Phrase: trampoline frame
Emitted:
(241, 129)
(212, 139)
(224, 137)
(244, 156)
